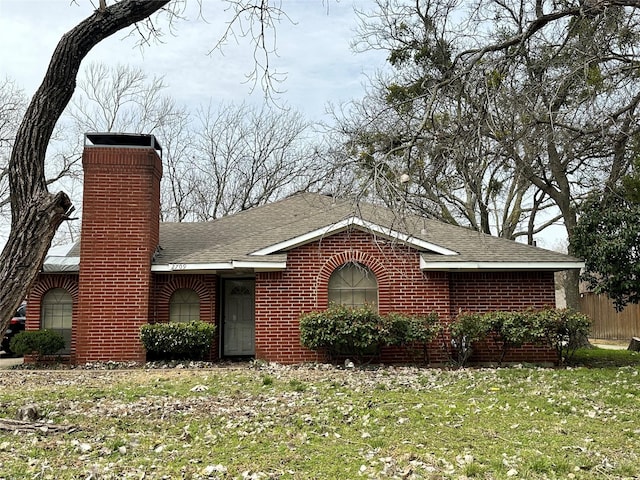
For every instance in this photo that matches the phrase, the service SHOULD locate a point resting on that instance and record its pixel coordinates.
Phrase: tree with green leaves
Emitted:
(608, 238)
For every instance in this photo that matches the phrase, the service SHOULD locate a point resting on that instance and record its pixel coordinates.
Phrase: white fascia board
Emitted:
(344, 224)
(183, 267)
(231, 265)
(476, 266)
(261, 266)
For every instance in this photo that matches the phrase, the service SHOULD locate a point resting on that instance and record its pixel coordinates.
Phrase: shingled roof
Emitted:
(258, 239)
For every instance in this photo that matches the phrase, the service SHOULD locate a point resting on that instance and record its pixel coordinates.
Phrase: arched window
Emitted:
(184, 306)
(56, 314)
(354, 285)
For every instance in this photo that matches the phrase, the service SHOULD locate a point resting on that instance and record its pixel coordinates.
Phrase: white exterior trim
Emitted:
(72, 264)
(343, 225)
(231, 265)
(475, 266)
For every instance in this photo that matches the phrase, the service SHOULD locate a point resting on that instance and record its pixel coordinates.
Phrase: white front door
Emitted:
(239, 321)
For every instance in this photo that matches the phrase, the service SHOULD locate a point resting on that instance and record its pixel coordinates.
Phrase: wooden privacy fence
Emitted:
(607, 323)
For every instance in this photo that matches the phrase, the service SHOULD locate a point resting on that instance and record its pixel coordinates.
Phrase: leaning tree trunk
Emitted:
(35, 212)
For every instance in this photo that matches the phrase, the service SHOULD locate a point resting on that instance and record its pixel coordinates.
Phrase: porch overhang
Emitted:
(274, 266)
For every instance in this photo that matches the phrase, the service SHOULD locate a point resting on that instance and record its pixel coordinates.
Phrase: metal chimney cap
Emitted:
(110, 139)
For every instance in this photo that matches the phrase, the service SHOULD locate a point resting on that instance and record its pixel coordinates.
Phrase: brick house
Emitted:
(253, 273)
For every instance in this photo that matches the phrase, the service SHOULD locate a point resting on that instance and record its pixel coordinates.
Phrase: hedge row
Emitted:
(177, 341)
(361, 332)
(562, 329)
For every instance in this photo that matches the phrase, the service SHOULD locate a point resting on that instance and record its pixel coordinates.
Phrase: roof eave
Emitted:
(219, 266)
(499, 266)
(72, 265)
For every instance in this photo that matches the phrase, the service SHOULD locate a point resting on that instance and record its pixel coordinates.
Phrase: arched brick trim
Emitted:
(44, 283)
(193, 282)
(353, 256)
(48, 282)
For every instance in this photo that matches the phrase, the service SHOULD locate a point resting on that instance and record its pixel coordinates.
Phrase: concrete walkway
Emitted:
(8, 362)
(610, 344)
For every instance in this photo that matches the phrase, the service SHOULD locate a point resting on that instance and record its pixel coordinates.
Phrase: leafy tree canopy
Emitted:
(608, 238)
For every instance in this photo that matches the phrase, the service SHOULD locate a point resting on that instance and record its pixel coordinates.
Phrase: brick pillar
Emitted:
(120, 234)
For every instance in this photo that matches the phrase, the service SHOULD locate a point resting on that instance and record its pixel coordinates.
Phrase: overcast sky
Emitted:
(313, 50)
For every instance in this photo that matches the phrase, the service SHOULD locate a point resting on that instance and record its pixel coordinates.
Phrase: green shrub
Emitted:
(413, 332)
(177, 341)
(343, 330)
(37, 342)
(565, 330)
(403, 329)
(513, 329)
(466, 329)
(361, 332)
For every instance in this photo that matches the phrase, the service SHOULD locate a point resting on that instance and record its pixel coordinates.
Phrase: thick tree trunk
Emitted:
(572, 277)
(27, 245)
(572, 289)
(35, 213)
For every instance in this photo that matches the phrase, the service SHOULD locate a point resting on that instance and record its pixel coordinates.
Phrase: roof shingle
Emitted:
(235, 238)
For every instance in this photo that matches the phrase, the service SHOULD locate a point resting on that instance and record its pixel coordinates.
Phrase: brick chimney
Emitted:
(120, 234)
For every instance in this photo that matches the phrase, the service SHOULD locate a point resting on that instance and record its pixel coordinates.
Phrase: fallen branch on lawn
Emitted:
(37, 427)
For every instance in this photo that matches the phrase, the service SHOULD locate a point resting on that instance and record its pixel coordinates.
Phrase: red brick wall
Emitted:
(282, 297)
(120, 230)
(491, 291)
(485, 292)
(163, 287)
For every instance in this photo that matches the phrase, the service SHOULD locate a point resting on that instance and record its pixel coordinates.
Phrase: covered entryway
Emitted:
(239, 328)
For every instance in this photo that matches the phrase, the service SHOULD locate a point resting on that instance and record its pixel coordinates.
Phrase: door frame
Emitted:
(223, 312)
